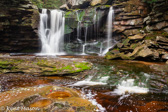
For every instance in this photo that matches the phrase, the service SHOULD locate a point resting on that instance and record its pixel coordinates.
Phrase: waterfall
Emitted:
(109, 26)
(95, 24)
(79, 25)
(87, 39)
(84, 45)
(110, 41)
(52, 34)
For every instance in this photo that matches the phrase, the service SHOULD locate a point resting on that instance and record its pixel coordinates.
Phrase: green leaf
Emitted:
(67, 29)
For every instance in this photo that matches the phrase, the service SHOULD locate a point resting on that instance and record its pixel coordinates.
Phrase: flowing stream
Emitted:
(121, 86)
(112, 86)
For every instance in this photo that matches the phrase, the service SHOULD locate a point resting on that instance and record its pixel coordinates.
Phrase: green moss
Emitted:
(125, 57)
(78, 67)
(120, 55)
(108, 6)
(5, 64)
(165, 34)
(133, 46)
(111, 56)
(108, 53)
(42, 66)
(38, 3)
(43, 63)
(52, 69)
(9, 64)
(104, 6)
(150, 37)
(83, 66)
(116, 49)
(67, 68)
(50, 4)
(126, 42)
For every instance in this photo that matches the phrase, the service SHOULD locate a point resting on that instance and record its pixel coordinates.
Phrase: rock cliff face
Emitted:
(143, 28)
(129, 16)
(76, 4)
(18, 26)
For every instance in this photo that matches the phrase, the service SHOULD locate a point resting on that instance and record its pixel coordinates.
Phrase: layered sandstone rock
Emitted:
(18, 26)
(144, 27)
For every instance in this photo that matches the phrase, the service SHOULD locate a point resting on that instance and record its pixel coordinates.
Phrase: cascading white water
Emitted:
(52, 35)
(109, 42)
(95, 24)
(51, 32)
(109, 26)
(83, 46)
(79, 25)
(128, 86)
(86, 33)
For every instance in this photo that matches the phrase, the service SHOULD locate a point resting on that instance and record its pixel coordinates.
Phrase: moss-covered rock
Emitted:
(49, 4)
(42, 66)
(140, 49)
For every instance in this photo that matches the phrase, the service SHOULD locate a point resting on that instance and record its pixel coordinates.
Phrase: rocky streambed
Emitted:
(82, 84)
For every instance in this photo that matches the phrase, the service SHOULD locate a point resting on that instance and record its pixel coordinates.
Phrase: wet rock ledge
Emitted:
(143, 27)
(39, 66)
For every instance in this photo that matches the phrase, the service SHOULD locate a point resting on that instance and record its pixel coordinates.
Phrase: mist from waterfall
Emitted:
(51, 31)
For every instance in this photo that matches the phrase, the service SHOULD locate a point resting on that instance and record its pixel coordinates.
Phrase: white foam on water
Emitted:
(87, 83)
(90, 96)
(50, 54)
(104, 79)
(127, 86)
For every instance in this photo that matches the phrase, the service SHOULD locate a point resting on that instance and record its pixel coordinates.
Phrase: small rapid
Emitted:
(127, 86)
(121, 86)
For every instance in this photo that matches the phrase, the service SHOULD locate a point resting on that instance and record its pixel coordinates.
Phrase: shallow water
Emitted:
(126, 86)
(113, 86)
